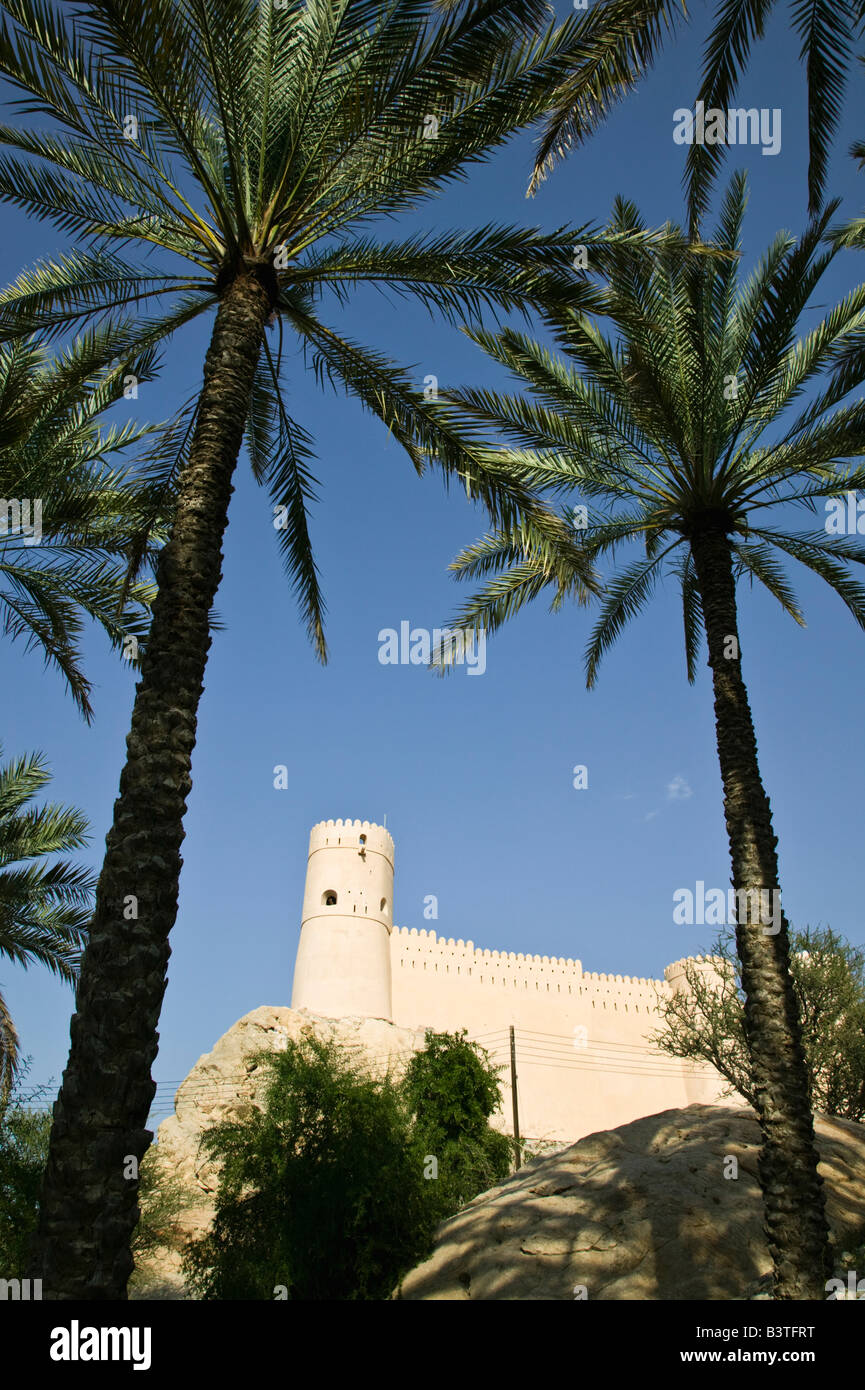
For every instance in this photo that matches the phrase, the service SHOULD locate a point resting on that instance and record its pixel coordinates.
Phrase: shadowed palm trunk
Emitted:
(99, 1117)
(795, 1220)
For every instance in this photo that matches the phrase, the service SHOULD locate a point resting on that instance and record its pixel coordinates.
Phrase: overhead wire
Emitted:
(534, 1047)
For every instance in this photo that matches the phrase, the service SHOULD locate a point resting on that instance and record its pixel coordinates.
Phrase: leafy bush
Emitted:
(327, 1192)
(24, 1133)
(162, 1198)
(453, 1090)
(706, 1021)
(320, 1193)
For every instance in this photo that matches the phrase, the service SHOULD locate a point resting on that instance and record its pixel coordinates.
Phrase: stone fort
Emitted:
(584, 1061)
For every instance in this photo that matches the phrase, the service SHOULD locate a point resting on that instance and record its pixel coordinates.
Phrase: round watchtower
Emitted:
(343, 959)
(712, 969)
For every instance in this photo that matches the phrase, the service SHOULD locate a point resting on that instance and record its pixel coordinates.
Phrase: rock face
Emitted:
(223, 1084)
(639, 1212)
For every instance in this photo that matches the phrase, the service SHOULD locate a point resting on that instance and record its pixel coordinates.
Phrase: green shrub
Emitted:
(320, 1193)
(328, 1192)
(24, 1133)
(452, 1090)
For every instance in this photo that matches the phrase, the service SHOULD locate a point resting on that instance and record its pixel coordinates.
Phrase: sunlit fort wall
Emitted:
(583, 1056)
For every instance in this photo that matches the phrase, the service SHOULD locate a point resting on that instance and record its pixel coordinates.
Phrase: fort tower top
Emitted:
(343, 959)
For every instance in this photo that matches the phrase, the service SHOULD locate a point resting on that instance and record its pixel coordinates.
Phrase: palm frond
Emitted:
(625, 595)
(692, 613)
(728, 49)
(758, 562)
(280, 450)
(638, 426)
(618, 43)
(824, 556)
(45, 902)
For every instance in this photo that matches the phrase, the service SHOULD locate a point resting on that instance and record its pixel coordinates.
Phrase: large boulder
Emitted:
(650, 1210)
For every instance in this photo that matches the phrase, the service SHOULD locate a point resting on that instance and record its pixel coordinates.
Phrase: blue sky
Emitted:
(474, 774)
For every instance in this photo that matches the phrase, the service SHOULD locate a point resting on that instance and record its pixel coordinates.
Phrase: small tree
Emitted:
(320, 1194)
(24, 1131)
(452, 1089)
(162, 1198)
(327, 1192)
(705, 1021)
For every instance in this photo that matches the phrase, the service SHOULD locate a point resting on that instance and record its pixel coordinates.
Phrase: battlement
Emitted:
(346, 834)
(422, 939)
(634, 981)
(704, 963)
(711, 969)
(407, 940)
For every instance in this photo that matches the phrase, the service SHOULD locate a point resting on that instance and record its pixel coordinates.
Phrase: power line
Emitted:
(535, 1048)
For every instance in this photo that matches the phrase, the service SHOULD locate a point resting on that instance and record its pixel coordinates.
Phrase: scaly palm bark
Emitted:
(796, 1225)
(90, 1207)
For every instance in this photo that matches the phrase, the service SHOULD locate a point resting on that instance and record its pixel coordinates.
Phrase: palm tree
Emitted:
(44, 907)
(243, 148)
(74, 530)
(684, 431)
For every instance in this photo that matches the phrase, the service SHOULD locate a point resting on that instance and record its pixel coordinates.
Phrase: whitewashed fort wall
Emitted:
(584, 1060)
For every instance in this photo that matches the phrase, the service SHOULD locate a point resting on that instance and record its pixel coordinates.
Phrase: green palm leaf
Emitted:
(100, 525)
(639, 425)
(45, 903)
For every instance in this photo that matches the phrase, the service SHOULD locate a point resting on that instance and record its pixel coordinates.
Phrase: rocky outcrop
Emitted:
(651, 1210)
(222, 1085)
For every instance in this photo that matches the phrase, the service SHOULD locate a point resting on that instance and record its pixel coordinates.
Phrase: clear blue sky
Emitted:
(473, 773)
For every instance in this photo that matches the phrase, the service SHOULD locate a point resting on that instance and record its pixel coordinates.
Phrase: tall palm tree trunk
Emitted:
(89, 1204)
(795, 1220)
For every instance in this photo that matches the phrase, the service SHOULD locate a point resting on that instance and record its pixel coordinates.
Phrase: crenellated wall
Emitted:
(426, 970)
(584, 1059)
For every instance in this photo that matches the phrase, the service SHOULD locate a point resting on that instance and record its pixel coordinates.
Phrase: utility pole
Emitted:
(517, 1153)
